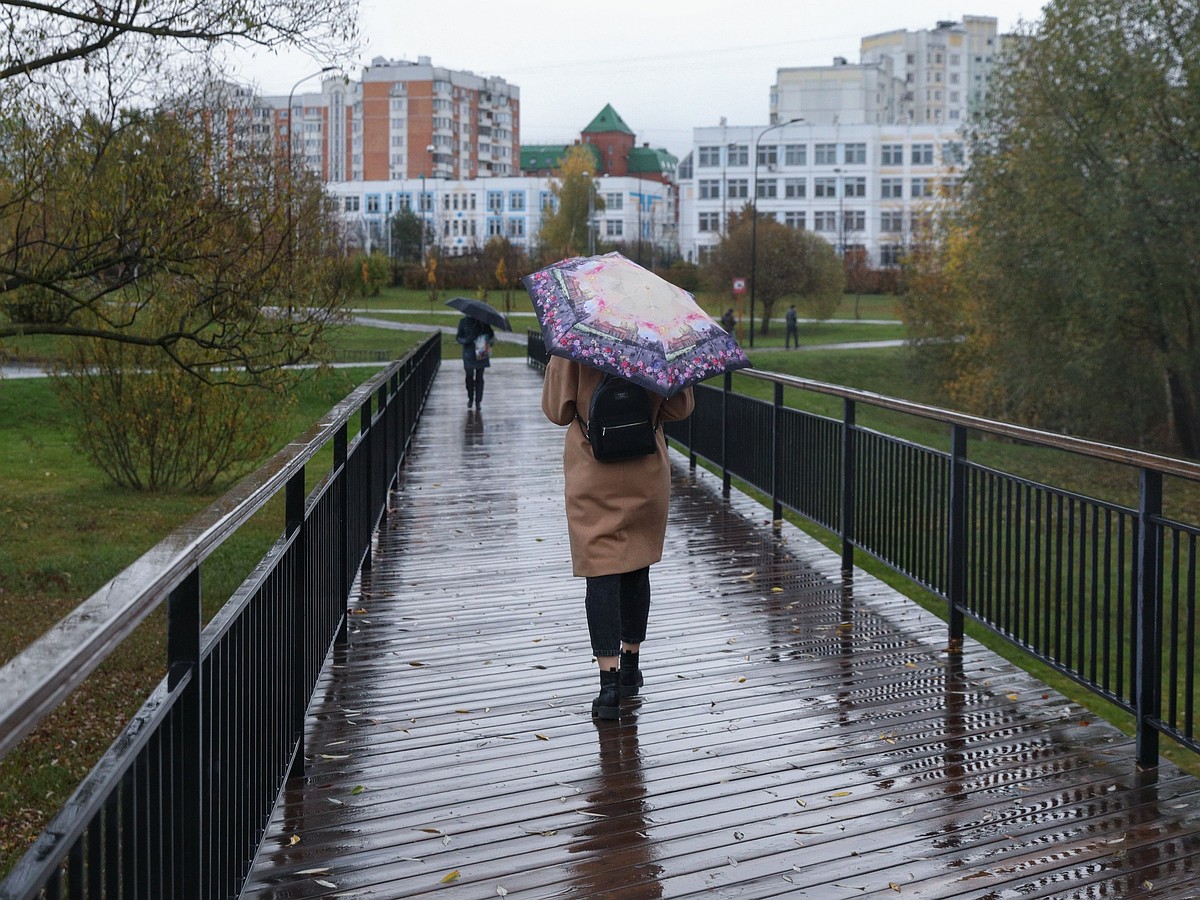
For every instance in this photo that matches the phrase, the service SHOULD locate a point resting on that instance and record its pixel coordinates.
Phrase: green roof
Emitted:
(607, 120)
(549, 156)
(646, 160)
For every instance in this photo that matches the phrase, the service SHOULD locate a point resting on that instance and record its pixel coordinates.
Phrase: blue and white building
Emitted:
(464, 215)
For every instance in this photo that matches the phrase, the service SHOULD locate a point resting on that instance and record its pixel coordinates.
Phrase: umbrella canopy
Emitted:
(610, 313)
(478, 309)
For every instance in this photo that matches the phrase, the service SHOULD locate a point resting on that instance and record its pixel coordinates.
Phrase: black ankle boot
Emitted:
(631, 679)
(607, 704)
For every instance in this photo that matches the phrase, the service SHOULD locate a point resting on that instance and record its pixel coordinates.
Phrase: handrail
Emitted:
(35, 681)
(1095, 449)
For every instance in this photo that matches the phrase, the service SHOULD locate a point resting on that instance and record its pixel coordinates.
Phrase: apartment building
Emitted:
(464, 214)
(927, 77)
(860, 186)
(401, 119)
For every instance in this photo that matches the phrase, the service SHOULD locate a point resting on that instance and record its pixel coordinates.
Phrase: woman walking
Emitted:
(477, 339)
(616, 521)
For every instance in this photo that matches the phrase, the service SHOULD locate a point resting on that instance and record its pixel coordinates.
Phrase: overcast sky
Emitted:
(666, 66)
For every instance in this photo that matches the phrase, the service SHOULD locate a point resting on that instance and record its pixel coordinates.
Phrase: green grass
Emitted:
(66, 531)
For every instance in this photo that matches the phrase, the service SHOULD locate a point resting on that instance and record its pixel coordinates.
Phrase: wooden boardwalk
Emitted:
(800, 734)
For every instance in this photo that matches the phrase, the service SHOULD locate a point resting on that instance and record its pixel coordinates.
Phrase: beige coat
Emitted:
(616, 511)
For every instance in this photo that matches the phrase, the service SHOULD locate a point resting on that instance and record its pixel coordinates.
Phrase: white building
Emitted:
(935, 76)
(464, 215)
(857, 186)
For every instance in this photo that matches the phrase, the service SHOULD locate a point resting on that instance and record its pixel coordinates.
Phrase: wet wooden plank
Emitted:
(800, 734)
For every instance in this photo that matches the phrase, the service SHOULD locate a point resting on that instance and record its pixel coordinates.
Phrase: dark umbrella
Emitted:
(609, 313)
(477, 309)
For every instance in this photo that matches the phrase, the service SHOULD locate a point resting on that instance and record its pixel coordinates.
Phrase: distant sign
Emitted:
(739, 285)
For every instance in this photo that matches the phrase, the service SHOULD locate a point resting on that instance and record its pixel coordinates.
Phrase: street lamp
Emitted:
(591, 213)
(291, 140)
(839, 185)
(754, 218)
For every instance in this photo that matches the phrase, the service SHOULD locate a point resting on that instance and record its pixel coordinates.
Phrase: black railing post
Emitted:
(776, 456)
(728, 386)
(366, 469)
(189, 781)
(847, 530)
(956, 589)
(691, 440)
(1148, 688)
(345, 577)
(294, 519)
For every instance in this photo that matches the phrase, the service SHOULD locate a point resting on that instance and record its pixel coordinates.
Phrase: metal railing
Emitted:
(1102, 592)
(177, 806)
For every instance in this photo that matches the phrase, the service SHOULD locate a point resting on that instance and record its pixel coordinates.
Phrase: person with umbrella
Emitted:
(603, 317)
(477, 337)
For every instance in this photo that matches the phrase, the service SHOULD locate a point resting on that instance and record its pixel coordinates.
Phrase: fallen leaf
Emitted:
(450, 876)
(334, 756)
(293, 840)
(895, 887)
(328, 884)
(322, 871)
(802, 803)
(1013, 696)
(838, 794)
(465, 712)
(776, 590)
(742, 680)
(358, 789)
(499, 890)
(541, 737)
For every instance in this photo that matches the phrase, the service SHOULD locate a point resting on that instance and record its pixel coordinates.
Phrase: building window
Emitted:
(856, 154)
(372, 203)
(614, 228)
(854, 220)
(952, 153)
(795, 188)
(892, 154)
(495, 226)
(614, 202)
(710, 189)
(891, 221)
(825, 187)
(737, 188)
(516, 228)
(426, 202)
(495, 201)
(739, 155)
(708, 157)
(889, 255)
(854, 187)
(351, 204)
(548, 201)
(710, 221)
(768, 155)
(922, 154)
(516, 200)
(921, 188)
(795, 154)
(767, 189)
(825, 220)
(793, 219)
(825, 154)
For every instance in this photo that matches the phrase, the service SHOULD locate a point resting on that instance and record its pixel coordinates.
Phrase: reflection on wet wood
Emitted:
(800, 733)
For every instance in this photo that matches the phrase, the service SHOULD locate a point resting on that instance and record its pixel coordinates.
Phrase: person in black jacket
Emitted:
(477, 339)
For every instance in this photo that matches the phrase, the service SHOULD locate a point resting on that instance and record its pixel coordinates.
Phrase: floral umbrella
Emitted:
(610, 313)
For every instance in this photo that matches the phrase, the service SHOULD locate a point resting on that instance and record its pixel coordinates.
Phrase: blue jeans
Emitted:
(618, 607)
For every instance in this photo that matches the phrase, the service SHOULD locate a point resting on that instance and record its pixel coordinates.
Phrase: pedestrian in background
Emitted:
(791, 336)
(477, 338)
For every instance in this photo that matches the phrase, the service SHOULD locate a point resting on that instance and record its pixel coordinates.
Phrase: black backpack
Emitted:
(620, 423)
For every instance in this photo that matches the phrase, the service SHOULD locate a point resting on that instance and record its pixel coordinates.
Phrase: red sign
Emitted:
(739, 285)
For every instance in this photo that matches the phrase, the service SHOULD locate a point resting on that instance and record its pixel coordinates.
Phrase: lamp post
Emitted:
(839, 185)
(754, 218)
(291, 238)
(591, 212)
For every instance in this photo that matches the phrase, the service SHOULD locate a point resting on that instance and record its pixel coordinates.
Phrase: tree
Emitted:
(508, 260)
(408, 242)
(565, 228)
(1078, 279)
(788, 262)
(108, 222)
(58, 45)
